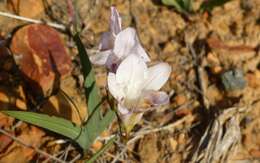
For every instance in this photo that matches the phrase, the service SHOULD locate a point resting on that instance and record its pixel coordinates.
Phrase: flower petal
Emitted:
(125, 42)
(114, 87)
(106, 41)
(157, 76)
(131, 74)
(141, 53)
(112, 63)
(101, 57)
(122, 110)
(115, 21)
(156, 98)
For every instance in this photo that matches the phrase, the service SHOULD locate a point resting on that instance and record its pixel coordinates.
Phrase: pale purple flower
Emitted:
(117, 44)
(136, 87)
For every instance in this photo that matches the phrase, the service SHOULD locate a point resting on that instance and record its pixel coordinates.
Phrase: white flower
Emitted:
(136, 87)
(117, 44)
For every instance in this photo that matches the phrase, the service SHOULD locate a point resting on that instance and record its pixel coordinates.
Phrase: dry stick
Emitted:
(56, 154)
(113, 156)
(76, 158)
(140, 134)
(67, 152)
(9, 15)
(119, 155)
(201, 77)
(29, 146)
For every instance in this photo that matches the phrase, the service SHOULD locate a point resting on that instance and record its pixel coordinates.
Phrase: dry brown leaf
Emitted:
(42, 57)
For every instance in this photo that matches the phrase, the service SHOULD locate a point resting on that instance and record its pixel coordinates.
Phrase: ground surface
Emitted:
(203, 122)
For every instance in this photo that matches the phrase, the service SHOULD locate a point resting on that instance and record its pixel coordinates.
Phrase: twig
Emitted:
(9, 15)
(67, 152)
(119, 155)
(140, 134)
(113, 156)
(48, 159)
(32, 147)
(201, 77)
(76, 158)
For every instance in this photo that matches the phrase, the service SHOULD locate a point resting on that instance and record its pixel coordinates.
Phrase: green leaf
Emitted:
(187, 5)
(101, 151)
(210, 4)
(92, 95)
(96, 123)
(182, 6)
(174, 3)
(52, 123)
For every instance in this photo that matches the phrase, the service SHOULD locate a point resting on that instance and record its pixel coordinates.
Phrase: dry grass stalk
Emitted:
(221, 137)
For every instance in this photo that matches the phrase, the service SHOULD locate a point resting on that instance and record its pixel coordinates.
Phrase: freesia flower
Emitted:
(136, 88)
(117, 44)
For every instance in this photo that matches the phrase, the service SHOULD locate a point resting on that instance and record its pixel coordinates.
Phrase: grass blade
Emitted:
(52, 123)
(89, 76)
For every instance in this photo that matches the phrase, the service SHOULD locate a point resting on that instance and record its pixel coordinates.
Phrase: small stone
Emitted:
(233, 80)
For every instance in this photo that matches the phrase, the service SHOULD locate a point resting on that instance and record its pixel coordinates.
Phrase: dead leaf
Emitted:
(41, 55)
